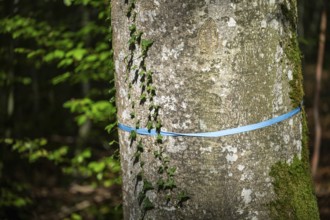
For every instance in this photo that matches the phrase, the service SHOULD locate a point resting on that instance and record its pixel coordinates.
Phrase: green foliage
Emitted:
(13, 196)
(62, 58)
(87, 109)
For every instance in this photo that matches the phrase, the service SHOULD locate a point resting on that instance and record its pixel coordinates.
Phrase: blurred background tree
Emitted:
(314, 38)
(58, 136)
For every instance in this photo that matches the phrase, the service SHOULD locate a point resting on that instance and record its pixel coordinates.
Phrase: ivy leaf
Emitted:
(146, 44)
(160, 169)
(159, 139)
(149, 125)
(143, 98)
(166, 159)
(171, 171)
(182, 197)
(149, 76)
(132, 28)
(137, 124)
(158, 126)
(130, 9)
(169, 184)
(151, 90)
(131, 42)
(157, 154)
(147, 204)
(133, 135)
(137, 156)
(147, 186)
(140, 146)
(138, 36)
(160, 184)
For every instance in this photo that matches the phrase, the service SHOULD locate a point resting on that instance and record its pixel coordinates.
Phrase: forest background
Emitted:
(58, 137)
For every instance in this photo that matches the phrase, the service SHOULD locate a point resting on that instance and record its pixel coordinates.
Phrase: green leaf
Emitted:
(20, 202)
(137, 156)
(146, 44)
(58, 154)
(67, 2)
(61, 78)
(147, 204)
(99, 176)
(149, 125)
(160, 184)
(96, 166)
(81, 119)
(158, 125)
(140, 146)
(169, 183)
(143, 98)
(91, 58)
(157, 154)
(159, 139)
(75, 216)
(132, 28)
(109, 127)
(161, 170)
(133, 135)
(9, 141)
(182, 197)
(77, 53)
(147, 186)
(65, 62)
(137, 124)
(56, 54)
(171, 171)
(151, 90)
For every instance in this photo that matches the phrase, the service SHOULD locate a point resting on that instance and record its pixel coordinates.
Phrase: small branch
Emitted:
(319, 67)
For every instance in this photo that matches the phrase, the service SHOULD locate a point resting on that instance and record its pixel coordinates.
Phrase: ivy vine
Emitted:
(138, 48)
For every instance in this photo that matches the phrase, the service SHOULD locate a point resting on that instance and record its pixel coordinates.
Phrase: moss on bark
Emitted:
(295, 197)
(292, 181)
(292, 52)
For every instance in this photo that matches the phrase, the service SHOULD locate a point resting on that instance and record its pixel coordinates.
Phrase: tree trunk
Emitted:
(198, 66)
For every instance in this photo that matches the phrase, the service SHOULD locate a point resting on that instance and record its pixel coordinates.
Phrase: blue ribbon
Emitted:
(230, 131)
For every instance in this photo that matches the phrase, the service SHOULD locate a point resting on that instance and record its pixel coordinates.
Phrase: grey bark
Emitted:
(217, 64)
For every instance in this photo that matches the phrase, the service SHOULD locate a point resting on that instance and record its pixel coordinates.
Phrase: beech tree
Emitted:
(193, 66)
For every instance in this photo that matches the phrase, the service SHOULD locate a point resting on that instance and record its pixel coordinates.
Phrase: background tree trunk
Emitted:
(213, 65)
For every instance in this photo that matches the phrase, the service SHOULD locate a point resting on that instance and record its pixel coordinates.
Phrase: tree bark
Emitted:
(213, 65)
